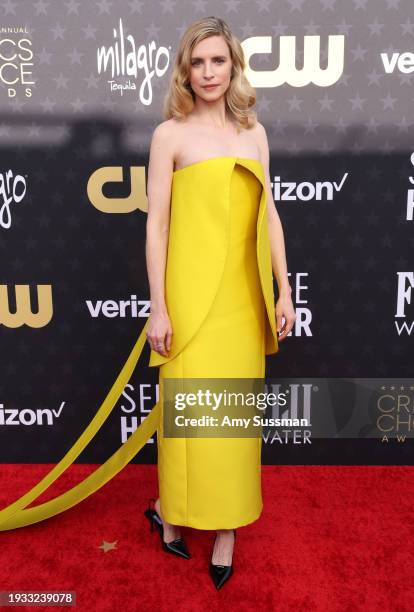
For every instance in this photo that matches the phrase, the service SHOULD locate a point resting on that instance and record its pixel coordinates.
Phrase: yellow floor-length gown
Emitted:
(219, 296)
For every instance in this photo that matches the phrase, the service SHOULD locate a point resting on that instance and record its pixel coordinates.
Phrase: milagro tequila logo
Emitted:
(12, 191)
(125, 58)
(16, 66)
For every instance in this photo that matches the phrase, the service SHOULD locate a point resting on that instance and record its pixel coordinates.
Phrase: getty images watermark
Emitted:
(221, 408)
(298, 408)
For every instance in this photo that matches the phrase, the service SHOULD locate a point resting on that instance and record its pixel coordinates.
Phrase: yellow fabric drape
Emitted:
(17, 515)
(196, 258)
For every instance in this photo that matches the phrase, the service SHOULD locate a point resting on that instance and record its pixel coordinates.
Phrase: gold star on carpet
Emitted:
(108, 545)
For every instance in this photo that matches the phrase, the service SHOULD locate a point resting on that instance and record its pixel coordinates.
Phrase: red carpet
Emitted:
(329, 539)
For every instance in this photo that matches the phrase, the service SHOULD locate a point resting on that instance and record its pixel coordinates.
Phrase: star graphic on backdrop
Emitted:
(61, 81)
(44, 56)
(406, 79)
(279, 29)
(344, 28)
(388, 101)
(135, 6)
(168, 6)
(359, 53)
(232, 5)
(372, 126)
(375, 28)
(108, 545)
(90, 31)
(311, 126)
(374, 77)
(296, 5)
(73, 7)
(41, 7)
(9, 7)
(263, 6)
(312, 28)
(407, 27)
(58, 32)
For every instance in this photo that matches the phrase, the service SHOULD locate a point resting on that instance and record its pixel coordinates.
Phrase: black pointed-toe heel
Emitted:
(221, 573)
(176, 547)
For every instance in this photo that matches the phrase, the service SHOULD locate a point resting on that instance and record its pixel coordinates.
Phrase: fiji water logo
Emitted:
(125, 58)
(404, 315)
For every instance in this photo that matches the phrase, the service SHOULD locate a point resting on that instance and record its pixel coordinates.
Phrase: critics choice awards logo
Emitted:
(16, 61)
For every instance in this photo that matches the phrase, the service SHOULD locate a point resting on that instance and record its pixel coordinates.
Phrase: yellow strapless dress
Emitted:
(219, 295)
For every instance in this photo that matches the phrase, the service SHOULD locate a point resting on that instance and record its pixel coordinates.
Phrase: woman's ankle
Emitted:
(225, 532)
(173, 529)
(223, 547)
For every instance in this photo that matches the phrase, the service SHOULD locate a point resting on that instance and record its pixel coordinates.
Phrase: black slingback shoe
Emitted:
(221, 573)
(177, 546)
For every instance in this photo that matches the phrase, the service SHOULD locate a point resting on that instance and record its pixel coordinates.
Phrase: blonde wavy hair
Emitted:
(240, 95)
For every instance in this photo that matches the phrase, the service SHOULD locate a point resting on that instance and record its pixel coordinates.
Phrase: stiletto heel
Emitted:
(176, 547)
(221, 573)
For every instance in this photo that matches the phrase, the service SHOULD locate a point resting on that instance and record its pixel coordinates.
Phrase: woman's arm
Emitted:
(160, 168)
(284, 306)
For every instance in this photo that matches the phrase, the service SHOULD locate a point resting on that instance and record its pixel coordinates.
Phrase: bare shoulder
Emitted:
(167, 136)
(259, 133)
(165, 130)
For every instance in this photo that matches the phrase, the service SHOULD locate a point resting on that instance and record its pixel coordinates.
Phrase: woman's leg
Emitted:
(171, 532)
(223, 547)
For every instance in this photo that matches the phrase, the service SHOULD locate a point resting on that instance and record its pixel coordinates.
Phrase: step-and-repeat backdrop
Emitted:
(82, 86)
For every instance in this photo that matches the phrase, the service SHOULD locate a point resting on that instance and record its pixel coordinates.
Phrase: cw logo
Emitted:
(287, 72)
(24, 314)
(136, 199)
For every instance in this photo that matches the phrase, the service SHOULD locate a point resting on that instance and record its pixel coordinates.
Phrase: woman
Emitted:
(211, 244)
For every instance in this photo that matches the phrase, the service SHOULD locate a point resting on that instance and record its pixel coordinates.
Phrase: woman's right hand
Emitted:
(159, 333)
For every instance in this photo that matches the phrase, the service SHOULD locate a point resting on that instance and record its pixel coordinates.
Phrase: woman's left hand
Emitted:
(284, 309)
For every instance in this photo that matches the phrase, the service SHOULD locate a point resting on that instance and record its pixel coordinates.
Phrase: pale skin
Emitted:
(209, 131)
